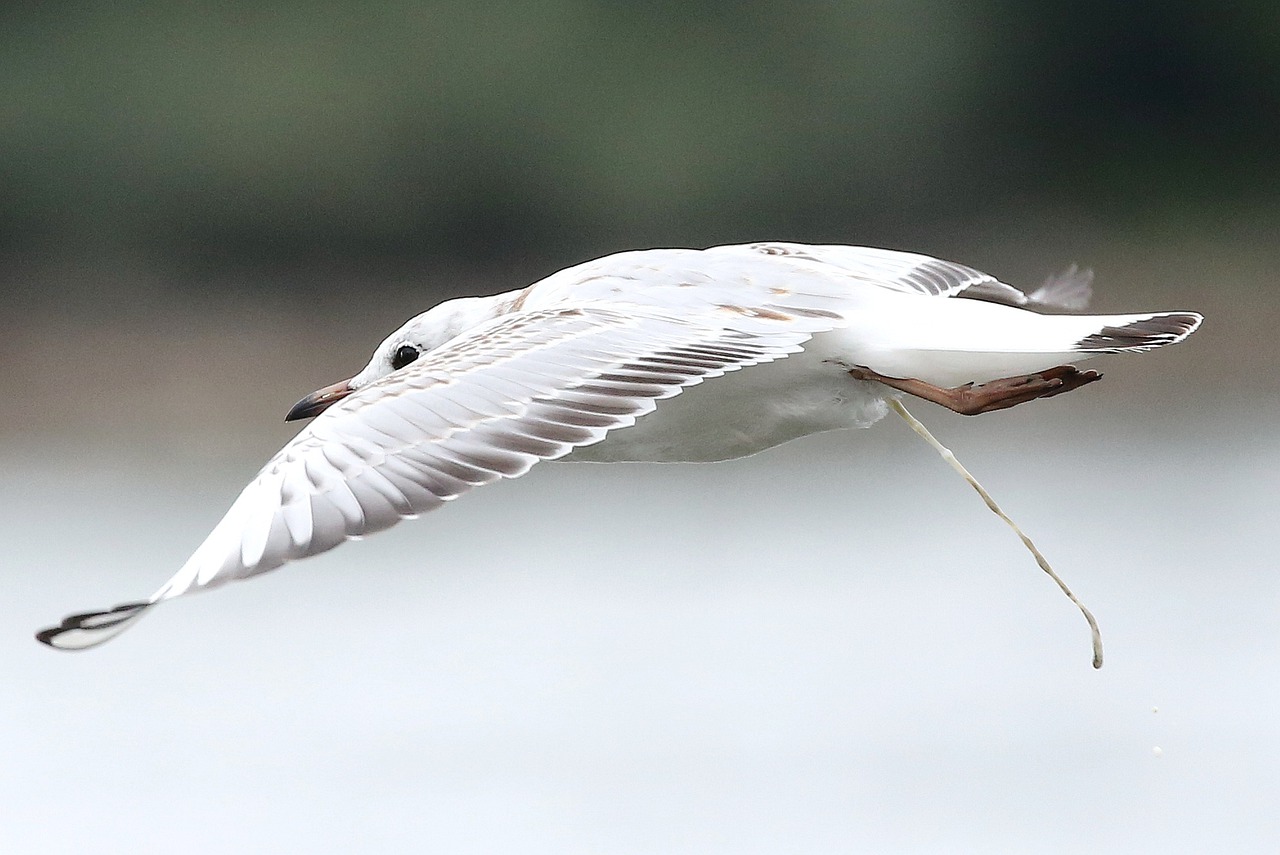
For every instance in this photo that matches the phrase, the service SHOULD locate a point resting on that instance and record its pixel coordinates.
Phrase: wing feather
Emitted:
(486, 406)
(902, 271)
(797, 280)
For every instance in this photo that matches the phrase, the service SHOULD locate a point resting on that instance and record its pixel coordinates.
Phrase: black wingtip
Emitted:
(89, 629)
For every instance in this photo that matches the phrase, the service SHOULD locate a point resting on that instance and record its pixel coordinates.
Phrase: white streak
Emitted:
(1095, 633)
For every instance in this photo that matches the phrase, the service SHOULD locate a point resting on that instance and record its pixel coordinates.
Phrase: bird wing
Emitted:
(912, 273)
(906, 272)
(791, 277)
(487, 405)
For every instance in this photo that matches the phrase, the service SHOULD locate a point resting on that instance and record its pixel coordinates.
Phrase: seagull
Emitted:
(653, 355)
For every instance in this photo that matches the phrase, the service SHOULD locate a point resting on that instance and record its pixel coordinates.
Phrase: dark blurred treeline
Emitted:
(526, 135)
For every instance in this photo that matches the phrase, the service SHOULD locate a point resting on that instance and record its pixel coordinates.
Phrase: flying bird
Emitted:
(655, 355)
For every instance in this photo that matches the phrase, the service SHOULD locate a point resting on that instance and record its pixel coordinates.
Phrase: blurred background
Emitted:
(208, 212)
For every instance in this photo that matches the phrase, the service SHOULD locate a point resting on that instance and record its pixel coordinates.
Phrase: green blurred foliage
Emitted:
(216, 136)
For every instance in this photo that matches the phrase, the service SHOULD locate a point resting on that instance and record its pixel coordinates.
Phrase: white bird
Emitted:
(600, 362)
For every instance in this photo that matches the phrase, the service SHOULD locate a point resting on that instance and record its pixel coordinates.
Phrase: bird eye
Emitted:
(404, 354)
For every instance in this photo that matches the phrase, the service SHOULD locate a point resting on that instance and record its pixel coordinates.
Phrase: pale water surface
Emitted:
(832, 647)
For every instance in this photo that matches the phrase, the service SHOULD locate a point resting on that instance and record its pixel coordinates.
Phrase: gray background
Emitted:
(830, 647)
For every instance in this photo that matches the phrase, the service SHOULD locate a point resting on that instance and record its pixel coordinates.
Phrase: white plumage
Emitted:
(592, 362)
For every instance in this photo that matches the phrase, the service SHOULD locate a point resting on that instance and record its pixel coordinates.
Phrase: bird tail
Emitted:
(952, 342)
(1136, 333)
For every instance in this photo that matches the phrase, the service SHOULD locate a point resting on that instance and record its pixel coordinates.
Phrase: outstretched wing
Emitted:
(791, 276)
(911, 273)
(487, 405)
(907, 272)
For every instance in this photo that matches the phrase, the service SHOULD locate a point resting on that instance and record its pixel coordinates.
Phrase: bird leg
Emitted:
(970, 400)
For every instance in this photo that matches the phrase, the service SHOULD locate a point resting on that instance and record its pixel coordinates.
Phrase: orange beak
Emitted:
(319, 401)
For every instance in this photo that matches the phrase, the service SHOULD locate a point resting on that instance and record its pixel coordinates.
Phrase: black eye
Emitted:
(404, 354)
